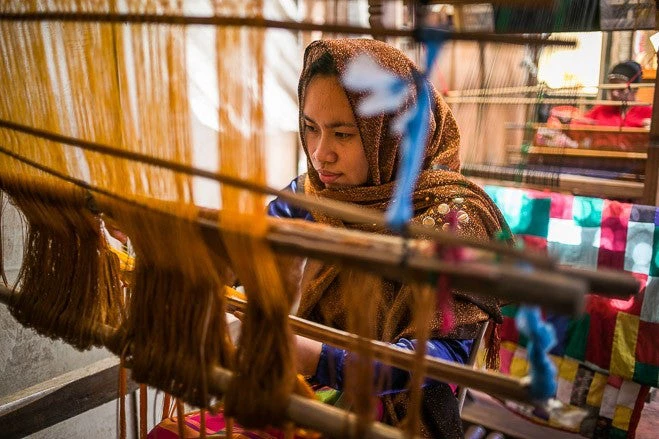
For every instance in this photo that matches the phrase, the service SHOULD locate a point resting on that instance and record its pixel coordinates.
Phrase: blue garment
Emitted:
(281, 209)
(330, 366)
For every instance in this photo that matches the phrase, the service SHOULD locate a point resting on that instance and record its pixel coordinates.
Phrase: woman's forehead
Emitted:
(326, 102)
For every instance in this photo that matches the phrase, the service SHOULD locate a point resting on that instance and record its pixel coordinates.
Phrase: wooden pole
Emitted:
(575, 184)
(522, 100)
(650, 193)
(441, 370)
(522, 3)
(424, 33)
(490, 382)
(480, 92)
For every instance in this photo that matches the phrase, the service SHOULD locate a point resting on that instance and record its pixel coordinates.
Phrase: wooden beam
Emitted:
(575, 184)
(488, 412)
(505, 100)
(502, 280)
(349, 212)
(55, 400)
(582, 152)
(518, 3)
(521, 89)
(650, 194)
(424, 33)
(582, 128)
(493, 383)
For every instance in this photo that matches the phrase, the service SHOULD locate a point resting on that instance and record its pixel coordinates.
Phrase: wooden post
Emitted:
(375, 15)
(652, 162)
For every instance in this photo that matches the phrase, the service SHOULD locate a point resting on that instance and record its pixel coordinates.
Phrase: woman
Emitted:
(639, 116)
(354, 159)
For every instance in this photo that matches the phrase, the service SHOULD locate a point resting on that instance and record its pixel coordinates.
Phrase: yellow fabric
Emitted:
(568, 369)
(508, 345)
(556, 360)
(624, 345)
(519, 367)
(596, 390)
(621, 417)
(126, 261)
(234, 294)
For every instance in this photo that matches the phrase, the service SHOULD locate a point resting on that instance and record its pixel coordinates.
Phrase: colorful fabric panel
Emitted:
(608, 358)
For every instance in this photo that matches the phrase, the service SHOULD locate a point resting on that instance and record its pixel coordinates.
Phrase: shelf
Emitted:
(591, 129)
(578, 152)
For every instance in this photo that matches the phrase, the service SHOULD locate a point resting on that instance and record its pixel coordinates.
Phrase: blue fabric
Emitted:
(330, 365)
(282, 209)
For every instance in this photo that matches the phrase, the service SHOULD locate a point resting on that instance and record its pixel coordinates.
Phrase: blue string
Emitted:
(542, 338)
(413, 146)
(412, 149)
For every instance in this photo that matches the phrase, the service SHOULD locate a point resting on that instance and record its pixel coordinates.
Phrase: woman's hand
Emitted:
(307, 352)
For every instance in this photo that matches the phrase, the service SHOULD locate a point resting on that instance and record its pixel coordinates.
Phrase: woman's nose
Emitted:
(325, 151)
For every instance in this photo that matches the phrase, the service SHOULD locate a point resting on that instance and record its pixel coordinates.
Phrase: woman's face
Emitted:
(622, 94)
(331, 134)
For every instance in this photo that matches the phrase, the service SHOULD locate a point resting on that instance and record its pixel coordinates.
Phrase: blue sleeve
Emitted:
(283, 209)
(392, 380)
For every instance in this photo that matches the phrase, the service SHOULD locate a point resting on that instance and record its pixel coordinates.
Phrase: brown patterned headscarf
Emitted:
(440, 186)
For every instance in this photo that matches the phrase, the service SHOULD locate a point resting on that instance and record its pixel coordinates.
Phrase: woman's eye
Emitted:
(310, 128)
(340, 135)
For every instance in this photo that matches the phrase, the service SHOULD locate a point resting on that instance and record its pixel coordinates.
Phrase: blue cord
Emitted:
(387, 94)
(413, 145)
(542, 338)
(412, 149)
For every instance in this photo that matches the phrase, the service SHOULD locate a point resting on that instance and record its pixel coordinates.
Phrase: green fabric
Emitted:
(523, 340)
(509, 311)
(616, 433)
(646, 373)
(587, 212)
(524, 215)
(327, 395)
(577, 336)
(654, 262)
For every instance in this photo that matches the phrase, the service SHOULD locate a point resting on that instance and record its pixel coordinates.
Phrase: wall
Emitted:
(27, 358)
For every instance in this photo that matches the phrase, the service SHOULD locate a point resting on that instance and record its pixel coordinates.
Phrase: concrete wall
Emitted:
(26, 358)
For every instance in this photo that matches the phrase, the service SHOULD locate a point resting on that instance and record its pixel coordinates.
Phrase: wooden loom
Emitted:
(632, 172)
(391, 255)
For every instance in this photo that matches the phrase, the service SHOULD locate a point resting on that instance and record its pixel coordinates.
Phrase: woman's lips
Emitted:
(328, 177)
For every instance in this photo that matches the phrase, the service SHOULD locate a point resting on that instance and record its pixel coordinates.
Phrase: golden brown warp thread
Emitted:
(424, 308)
(69, 278)
(264, 374)
(362, 297)
(176, 331)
